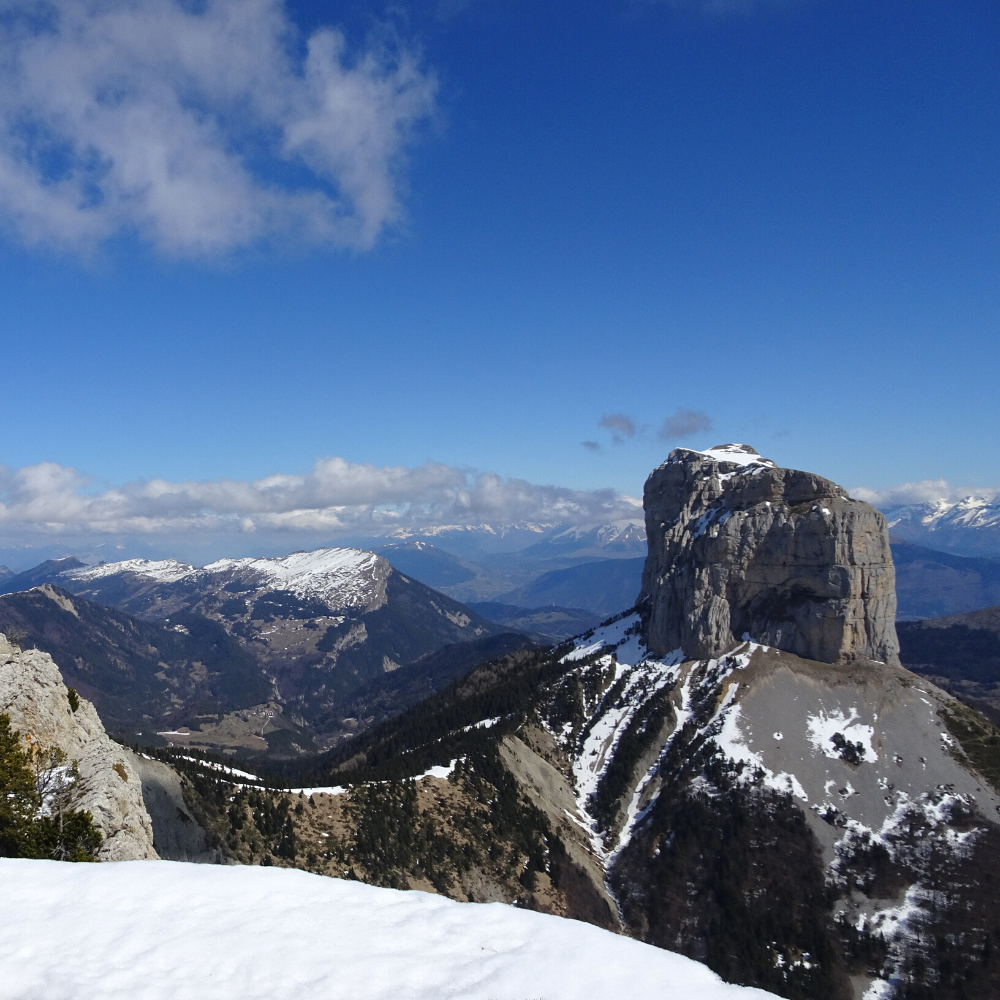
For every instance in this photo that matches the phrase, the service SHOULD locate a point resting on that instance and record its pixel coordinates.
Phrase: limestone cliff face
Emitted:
(738, 546)
(33, 694)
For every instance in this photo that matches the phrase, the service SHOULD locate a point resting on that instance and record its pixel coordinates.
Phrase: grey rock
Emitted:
(739, 547)
(33, 694)
(177, 835)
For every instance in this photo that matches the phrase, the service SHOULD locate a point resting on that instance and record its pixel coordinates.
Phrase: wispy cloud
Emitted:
(200, 127)
(591, 445)
(335, 497)
(621, 426)
(925, 491)
(685, 423)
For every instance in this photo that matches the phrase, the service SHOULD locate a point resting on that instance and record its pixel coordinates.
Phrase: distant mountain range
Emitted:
(535, 541)
(967, 527)
(491, 563)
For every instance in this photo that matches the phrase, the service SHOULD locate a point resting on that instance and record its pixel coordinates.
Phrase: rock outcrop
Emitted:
(33, 694)
(741, 548)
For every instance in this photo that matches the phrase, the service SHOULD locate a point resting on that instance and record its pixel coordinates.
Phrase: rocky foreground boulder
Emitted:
(33, 694)
(741, 549)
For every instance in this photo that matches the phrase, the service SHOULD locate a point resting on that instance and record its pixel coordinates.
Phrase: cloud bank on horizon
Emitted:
(199, 127)
(336, 497)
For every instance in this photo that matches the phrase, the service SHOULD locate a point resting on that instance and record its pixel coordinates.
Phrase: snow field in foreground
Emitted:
(153, 930)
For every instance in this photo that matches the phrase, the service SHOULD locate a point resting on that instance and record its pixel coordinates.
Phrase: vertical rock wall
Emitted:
(738, 546)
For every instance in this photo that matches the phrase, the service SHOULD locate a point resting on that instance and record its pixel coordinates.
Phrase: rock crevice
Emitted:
(739, 547)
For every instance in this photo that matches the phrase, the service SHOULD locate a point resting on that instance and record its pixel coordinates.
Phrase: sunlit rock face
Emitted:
(741, 548)
(33, 695)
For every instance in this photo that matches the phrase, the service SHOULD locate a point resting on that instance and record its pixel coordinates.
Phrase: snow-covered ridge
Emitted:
(145, 931)
(339, 577)
(499, 530)
(162, 570)
(969, 512)
(606, 534)
(969, 527)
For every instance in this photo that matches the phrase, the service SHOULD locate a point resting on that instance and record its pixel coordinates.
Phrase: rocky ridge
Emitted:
(739, 548)
(33, 694)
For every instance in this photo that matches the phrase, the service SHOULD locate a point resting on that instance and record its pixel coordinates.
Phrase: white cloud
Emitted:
(335, 497)
(925, 491)
(201, 128)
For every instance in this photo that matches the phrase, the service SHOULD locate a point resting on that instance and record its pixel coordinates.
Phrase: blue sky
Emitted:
(770, 221)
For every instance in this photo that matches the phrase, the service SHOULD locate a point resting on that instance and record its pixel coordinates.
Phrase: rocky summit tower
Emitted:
(739, 548)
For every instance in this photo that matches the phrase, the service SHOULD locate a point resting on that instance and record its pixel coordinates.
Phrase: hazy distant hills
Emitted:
(489, 562)
(428, 563)
(604, 588)
(931, 583)
(547, 624)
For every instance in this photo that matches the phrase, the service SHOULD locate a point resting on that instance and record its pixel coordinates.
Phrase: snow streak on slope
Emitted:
(158, 931)
(636, 679)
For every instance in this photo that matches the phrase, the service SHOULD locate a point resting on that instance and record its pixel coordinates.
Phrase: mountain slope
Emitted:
(49, 571)
(961, 653)
(819, 789)
(319, 624)
(140, 675)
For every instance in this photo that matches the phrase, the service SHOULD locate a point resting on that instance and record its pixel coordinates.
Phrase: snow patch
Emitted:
(822, 728)
(138, 930)
(733, 743)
